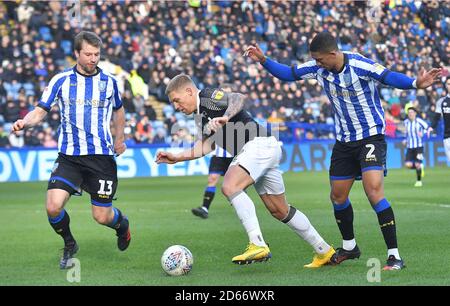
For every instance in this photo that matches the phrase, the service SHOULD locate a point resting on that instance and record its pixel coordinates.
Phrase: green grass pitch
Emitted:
(159, 212)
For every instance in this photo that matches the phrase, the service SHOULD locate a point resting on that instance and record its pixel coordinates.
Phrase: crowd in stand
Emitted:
(154, 41)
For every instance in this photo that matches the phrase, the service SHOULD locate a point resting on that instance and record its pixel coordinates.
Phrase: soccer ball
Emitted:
(177, 260)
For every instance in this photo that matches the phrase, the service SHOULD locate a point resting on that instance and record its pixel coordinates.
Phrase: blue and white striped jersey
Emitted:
(220, 152)
(358, 112)
(415, 131)
(86, 104)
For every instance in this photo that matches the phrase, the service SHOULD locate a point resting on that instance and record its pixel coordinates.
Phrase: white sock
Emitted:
(301, 225)
(349, 244)
(394, 252)
(204, 208)
(245, 209)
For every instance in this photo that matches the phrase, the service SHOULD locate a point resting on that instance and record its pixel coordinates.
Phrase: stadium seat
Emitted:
(66, 45)
(45, 33)
(157, 124)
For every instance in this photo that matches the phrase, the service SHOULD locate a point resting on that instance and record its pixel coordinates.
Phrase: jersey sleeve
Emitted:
(214, 99)
(369, 69)
(423, 124)
(305, 71)
(283, 72)
(50, 94)
(116, 99)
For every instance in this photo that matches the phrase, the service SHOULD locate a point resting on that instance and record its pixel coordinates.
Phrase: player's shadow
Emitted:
(102, 250)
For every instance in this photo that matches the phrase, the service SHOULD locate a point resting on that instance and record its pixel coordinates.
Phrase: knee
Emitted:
(408, 165)
(375, 194)
(102, 218)
(229, 189)
(53, 208)
(337, 198)
(213, 179)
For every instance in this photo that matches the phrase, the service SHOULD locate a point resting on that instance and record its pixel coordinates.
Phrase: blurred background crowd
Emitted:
(148, 42)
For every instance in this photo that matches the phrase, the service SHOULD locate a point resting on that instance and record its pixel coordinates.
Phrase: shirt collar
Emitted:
(198, 102)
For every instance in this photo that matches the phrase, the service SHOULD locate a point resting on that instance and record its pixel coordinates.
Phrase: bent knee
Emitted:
(338, 198)
(102, 219)
(213, 179)
(229, 189)
(53, 208)
(374, 195)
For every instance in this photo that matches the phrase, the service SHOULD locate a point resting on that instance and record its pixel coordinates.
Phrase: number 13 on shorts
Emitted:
(108, 185)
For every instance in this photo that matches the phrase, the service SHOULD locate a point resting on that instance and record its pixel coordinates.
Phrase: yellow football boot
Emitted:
(253, 253)
(320, 260)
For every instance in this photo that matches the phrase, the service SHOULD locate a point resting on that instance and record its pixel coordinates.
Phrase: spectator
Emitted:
(154, 42)
(4, 141)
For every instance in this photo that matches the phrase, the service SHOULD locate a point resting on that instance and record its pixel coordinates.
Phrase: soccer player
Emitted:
(415, 130)
(218, 165)
(443, 109)
(222, 121)
(87, 98)
(360, 150)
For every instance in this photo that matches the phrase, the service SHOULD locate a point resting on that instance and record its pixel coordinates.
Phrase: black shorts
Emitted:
(350, 159)
(219, 165)
(414, 155)
(95, 174)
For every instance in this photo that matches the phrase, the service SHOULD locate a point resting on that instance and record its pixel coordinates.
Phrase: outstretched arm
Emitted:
(30, 120)
(402, 81)
(283, 72)
(200, 149)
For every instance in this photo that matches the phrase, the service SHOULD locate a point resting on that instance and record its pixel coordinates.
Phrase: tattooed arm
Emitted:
(235, 105)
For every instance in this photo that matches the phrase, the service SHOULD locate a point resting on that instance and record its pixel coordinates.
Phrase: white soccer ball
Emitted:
(177, 260)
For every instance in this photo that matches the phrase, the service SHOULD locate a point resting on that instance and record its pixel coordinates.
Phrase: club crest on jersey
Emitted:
(347, 79)
(102, 85)
(217, 94)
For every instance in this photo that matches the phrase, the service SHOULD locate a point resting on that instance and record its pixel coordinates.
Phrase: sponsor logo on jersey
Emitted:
(218, 94)
(379, 68)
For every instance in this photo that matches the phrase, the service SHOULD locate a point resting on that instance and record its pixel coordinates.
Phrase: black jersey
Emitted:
(443, 108)
(239, 130)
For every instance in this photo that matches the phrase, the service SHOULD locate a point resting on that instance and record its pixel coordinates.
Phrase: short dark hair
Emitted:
(90, 37)
(412, 108)
(323, 42)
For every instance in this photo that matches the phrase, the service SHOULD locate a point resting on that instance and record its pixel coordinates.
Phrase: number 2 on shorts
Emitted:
(370, 154)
